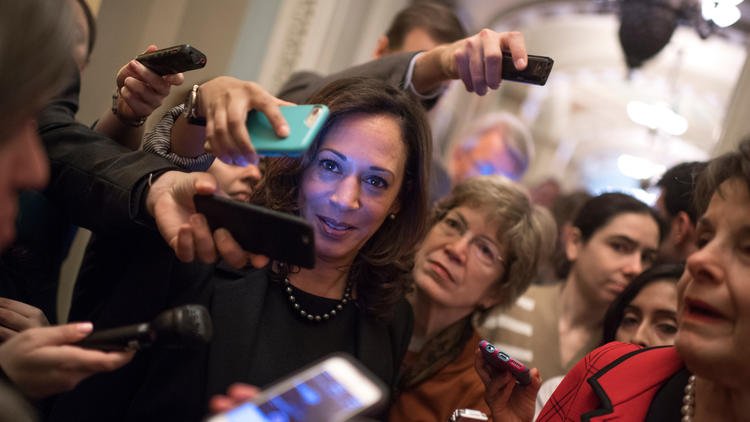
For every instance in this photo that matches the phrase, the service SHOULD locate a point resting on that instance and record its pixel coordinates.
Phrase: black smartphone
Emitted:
(280, 236)
(179, 58)
(502, 361)
(536, 72)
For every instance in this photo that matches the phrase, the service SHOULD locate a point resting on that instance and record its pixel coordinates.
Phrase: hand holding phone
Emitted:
(334, 389)
(176, 59)
(305, 121)
(277, 235)
(536, 72)
(503, 362)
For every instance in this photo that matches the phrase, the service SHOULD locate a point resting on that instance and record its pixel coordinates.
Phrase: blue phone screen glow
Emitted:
(318, 399)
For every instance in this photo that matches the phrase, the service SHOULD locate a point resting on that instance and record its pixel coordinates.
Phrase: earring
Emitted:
(392, 216)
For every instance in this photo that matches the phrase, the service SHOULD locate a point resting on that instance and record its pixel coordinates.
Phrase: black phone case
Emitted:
(179, 58)
(280, 236)
(537, 70)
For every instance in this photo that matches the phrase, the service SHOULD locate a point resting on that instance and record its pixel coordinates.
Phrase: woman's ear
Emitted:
(381, 49)
(573, 242)
(395, 207)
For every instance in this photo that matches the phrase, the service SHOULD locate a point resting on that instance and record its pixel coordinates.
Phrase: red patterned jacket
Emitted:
(616, 381)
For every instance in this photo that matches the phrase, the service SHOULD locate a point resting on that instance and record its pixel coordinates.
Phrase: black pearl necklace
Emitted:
(317, 317)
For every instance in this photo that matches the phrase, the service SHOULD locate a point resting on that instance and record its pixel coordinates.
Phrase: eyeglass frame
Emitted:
(459, 233)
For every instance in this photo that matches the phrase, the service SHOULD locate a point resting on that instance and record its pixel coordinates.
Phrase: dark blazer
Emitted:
(176, 384)
(615, 381)
(391, 68)
(94, 181)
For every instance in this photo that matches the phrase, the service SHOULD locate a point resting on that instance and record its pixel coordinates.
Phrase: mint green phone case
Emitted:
(305, 121)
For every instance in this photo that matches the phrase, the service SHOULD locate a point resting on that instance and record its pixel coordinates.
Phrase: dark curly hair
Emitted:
(380, 270)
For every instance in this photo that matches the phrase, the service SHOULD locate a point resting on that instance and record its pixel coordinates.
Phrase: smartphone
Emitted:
(467, 415)
(179, 58)
(305, 121)
(278, 235)
(500, 360)
(537, 70)
(334, 389)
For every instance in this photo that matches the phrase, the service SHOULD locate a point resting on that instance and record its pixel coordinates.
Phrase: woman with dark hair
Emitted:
(705, 376)
(645, 313)
(362, 187)
(614, 238)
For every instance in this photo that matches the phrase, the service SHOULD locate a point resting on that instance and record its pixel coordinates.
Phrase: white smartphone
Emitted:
(334, 389)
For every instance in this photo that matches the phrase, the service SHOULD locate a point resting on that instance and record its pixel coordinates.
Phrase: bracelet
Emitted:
(191, 108)
(136, 123)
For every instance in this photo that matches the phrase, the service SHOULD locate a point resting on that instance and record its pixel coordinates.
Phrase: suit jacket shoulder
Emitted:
(391, 68)
(615, 380)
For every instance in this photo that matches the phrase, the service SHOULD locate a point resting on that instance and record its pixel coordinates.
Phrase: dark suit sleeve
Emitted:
(391, 68)
(98, 183)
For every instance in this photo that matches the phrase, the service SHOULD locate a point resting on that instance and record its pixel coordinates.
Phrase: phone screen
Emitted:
(320, 398)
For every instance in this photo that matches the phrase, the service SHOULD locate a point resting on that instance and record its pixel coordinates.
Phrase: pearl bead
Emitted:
(314, 317)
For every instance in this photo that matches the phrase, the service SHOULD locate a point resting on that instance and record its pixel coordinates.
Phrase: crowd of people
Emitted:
(417, 258)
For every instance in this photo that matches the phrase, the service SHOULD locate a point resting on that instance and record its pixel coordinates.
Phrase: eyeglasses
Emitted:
(480, 247)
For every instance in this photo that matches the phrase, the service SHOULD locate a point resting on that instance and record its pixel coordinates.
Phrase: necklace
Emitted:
(317, 317)
(688, 401)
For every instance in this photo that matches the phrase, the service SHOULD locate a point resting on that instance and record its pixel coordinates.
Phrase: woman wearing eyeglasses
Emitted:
(482, 250)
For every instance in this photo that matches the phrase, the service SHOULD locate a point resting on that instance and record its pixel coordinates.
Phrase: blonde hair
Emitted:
(527, 231)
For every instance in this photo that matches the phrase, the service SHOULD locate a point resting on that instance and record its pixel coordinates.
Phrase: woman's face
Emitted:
(352, 184)
(23, 165)
(459, 261)
(651, 317)
(235, 181)
(613, 255)
(714, 310)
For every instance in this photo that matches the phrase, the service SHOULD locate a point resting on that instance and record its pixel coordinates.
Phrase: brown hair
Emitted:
(527, 231)
(380, 271)
(735, 164)
(437, 20)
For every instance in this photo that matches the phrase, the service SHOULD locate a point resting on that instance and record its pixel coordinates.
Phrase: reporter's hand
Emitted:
(225, 102)
(236, 395)
(42, 361)
(17, 316)
(141, 90)
(476, 60)
(170, 202)
(507, 400)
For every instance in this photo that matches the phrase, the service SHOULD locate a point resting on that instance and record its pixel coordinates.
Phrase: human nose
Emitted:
(346, 194)
(705, 264)
(458, 247)
(633, 266)
(641, 335)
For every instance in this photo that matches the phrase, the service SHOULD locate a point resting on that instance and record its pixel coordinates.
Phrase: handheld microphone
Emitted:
(183, 326)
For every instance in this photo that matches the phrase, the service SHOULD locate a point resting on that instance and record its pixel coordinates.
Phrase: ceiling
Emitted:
(579, 118)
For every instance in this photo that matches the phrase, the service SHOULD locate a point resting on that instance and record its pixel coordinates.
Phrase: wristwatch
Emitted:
(191, 108)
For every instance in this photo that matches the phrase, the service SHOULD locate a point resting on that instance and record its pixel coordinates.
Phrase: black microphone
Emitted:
(184, 326)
